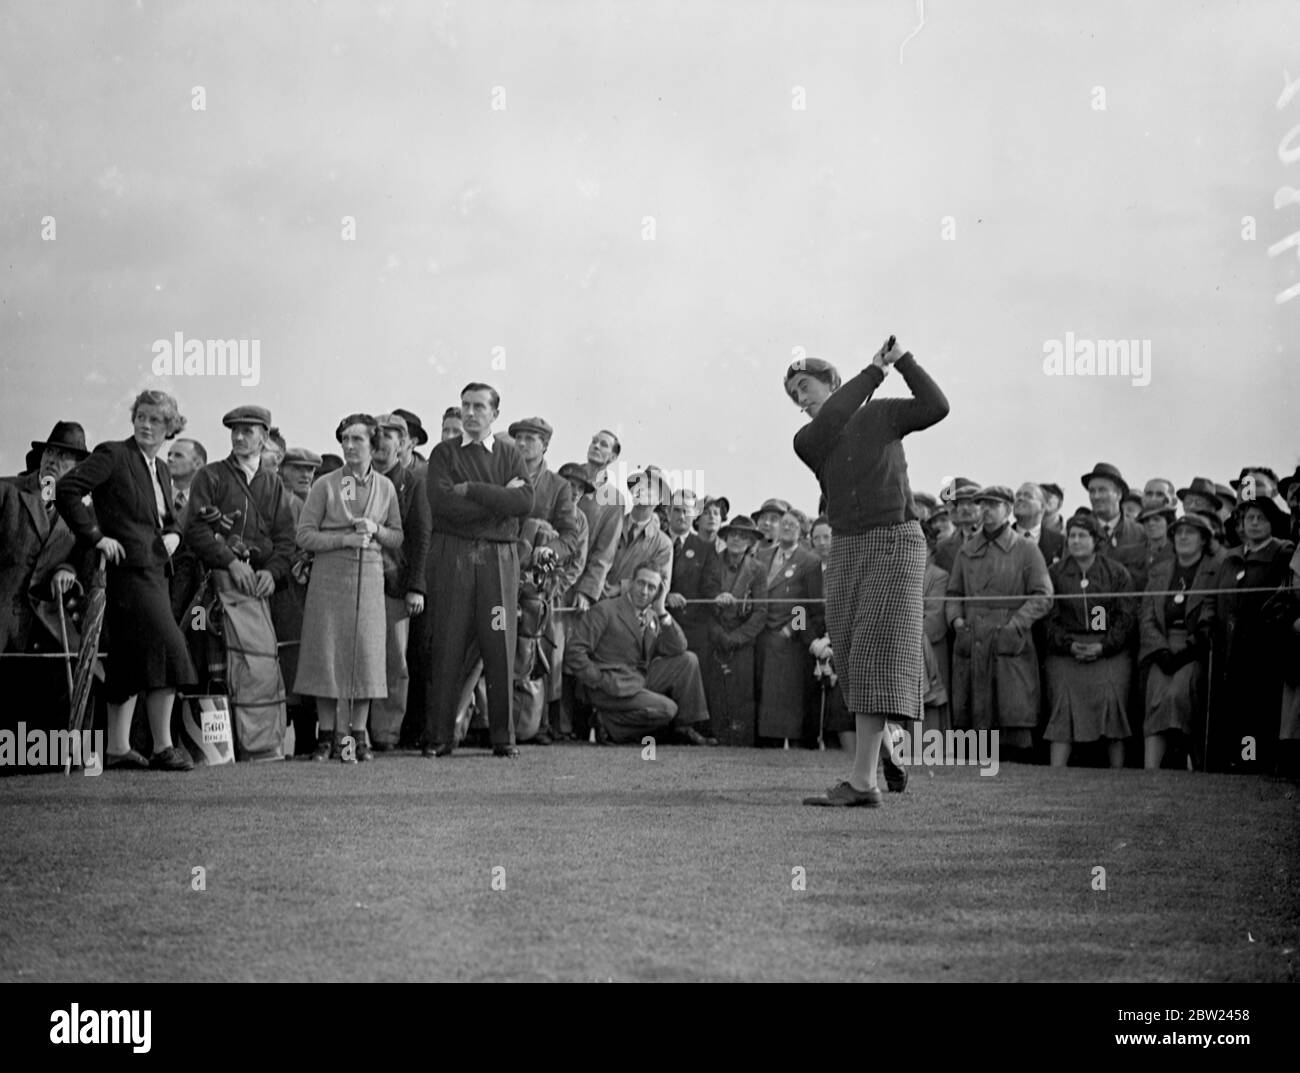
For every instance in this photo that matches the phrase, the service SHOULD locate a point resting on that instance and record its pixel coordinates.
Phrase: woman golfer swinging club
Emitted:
(876, 572)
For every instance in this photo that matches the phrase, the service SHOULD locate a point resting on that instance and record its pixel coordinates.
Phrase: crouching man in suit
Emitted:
(634, 663)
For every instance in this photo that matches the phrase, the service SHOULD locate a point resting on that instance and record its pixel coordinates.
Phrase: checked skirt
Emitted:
(874, 584)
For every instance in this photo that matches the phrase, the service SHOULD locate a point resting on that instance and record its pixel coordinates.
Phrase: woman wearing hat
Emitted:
(1248, 691)
(349, 516)
(1176, 632)
(134, 526)
(1089, 661)
(876, 574)
(1155, 523)
(738, 620)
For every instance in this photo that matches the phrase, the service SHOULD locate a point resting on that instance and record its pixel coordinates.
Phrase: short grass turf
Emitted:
(620, 868)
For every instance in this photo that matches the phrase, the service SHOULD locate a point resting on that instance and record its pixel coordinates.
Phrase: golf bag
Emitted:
(252, 671)
(532, 664)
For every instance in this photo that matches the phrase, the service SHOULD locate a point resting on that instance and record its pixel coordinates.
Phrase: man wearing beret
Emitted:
(555, 536)
(478, 495)
(995, 673)
(241, 490)
(404, 583)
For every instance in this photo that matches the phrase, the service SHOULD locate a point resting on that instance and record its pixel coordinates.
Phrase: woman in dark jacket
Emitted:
(1249, 678)
(737, 622)
(1176, 631)
(134, 527)
(876, 575)
(1089, 661)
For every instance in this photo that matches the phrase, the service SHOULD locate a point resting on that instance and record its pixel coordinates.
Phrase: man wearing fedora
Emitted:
(604, 527)
(995, 674)
(40, 560)
(1123, 539)
(241, 490)
(768, 519)
(641, 539)
(1200, 497)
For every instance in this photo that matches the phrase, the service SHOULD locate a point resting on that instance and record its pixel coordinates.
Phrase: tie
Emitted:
(677, 547)
(178, 504)
(778, 561)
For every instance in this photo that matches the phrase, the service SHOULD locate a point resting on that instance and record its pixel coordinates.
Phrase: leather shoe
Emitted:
(895, 774)
(507, 751)
(171, 759)
(432, 752)
(129, 761)
(843, 795)
(691, 736)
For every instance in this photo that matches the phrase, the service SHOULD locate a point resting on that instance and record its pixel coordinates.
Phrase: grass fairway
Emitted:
(620, 868)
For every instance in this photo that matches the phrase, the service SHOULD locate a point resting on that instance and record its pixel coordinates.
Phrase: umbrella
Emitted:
(91, 625)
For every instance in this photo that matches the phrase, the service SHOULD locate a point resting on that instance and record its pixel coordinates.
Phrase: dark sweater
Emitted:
(265, 522)
(489, 510)
(856, 449)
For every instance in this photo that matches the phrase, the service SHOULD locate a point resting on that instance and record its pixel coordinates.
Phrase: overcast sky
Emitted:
(522, 226)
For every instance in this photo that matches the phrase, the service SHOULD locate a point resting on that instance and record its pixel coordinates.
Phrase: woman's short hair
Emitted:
(817, 369)
(171, 412)
(821, 519)
(1088, 523)
(359, 419)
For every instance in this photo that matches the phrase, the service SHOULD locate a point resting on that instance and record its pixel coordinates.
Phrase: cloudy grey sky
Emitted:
(522, 226)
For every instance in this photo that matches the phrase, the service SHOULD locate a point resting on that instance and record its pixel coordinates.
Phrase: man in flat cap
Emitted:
(404, 582)
(479, 494)
(241, 490)
(642, 540)
(554, 537)
(995, 674)
(297, 472)
(966, 518)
